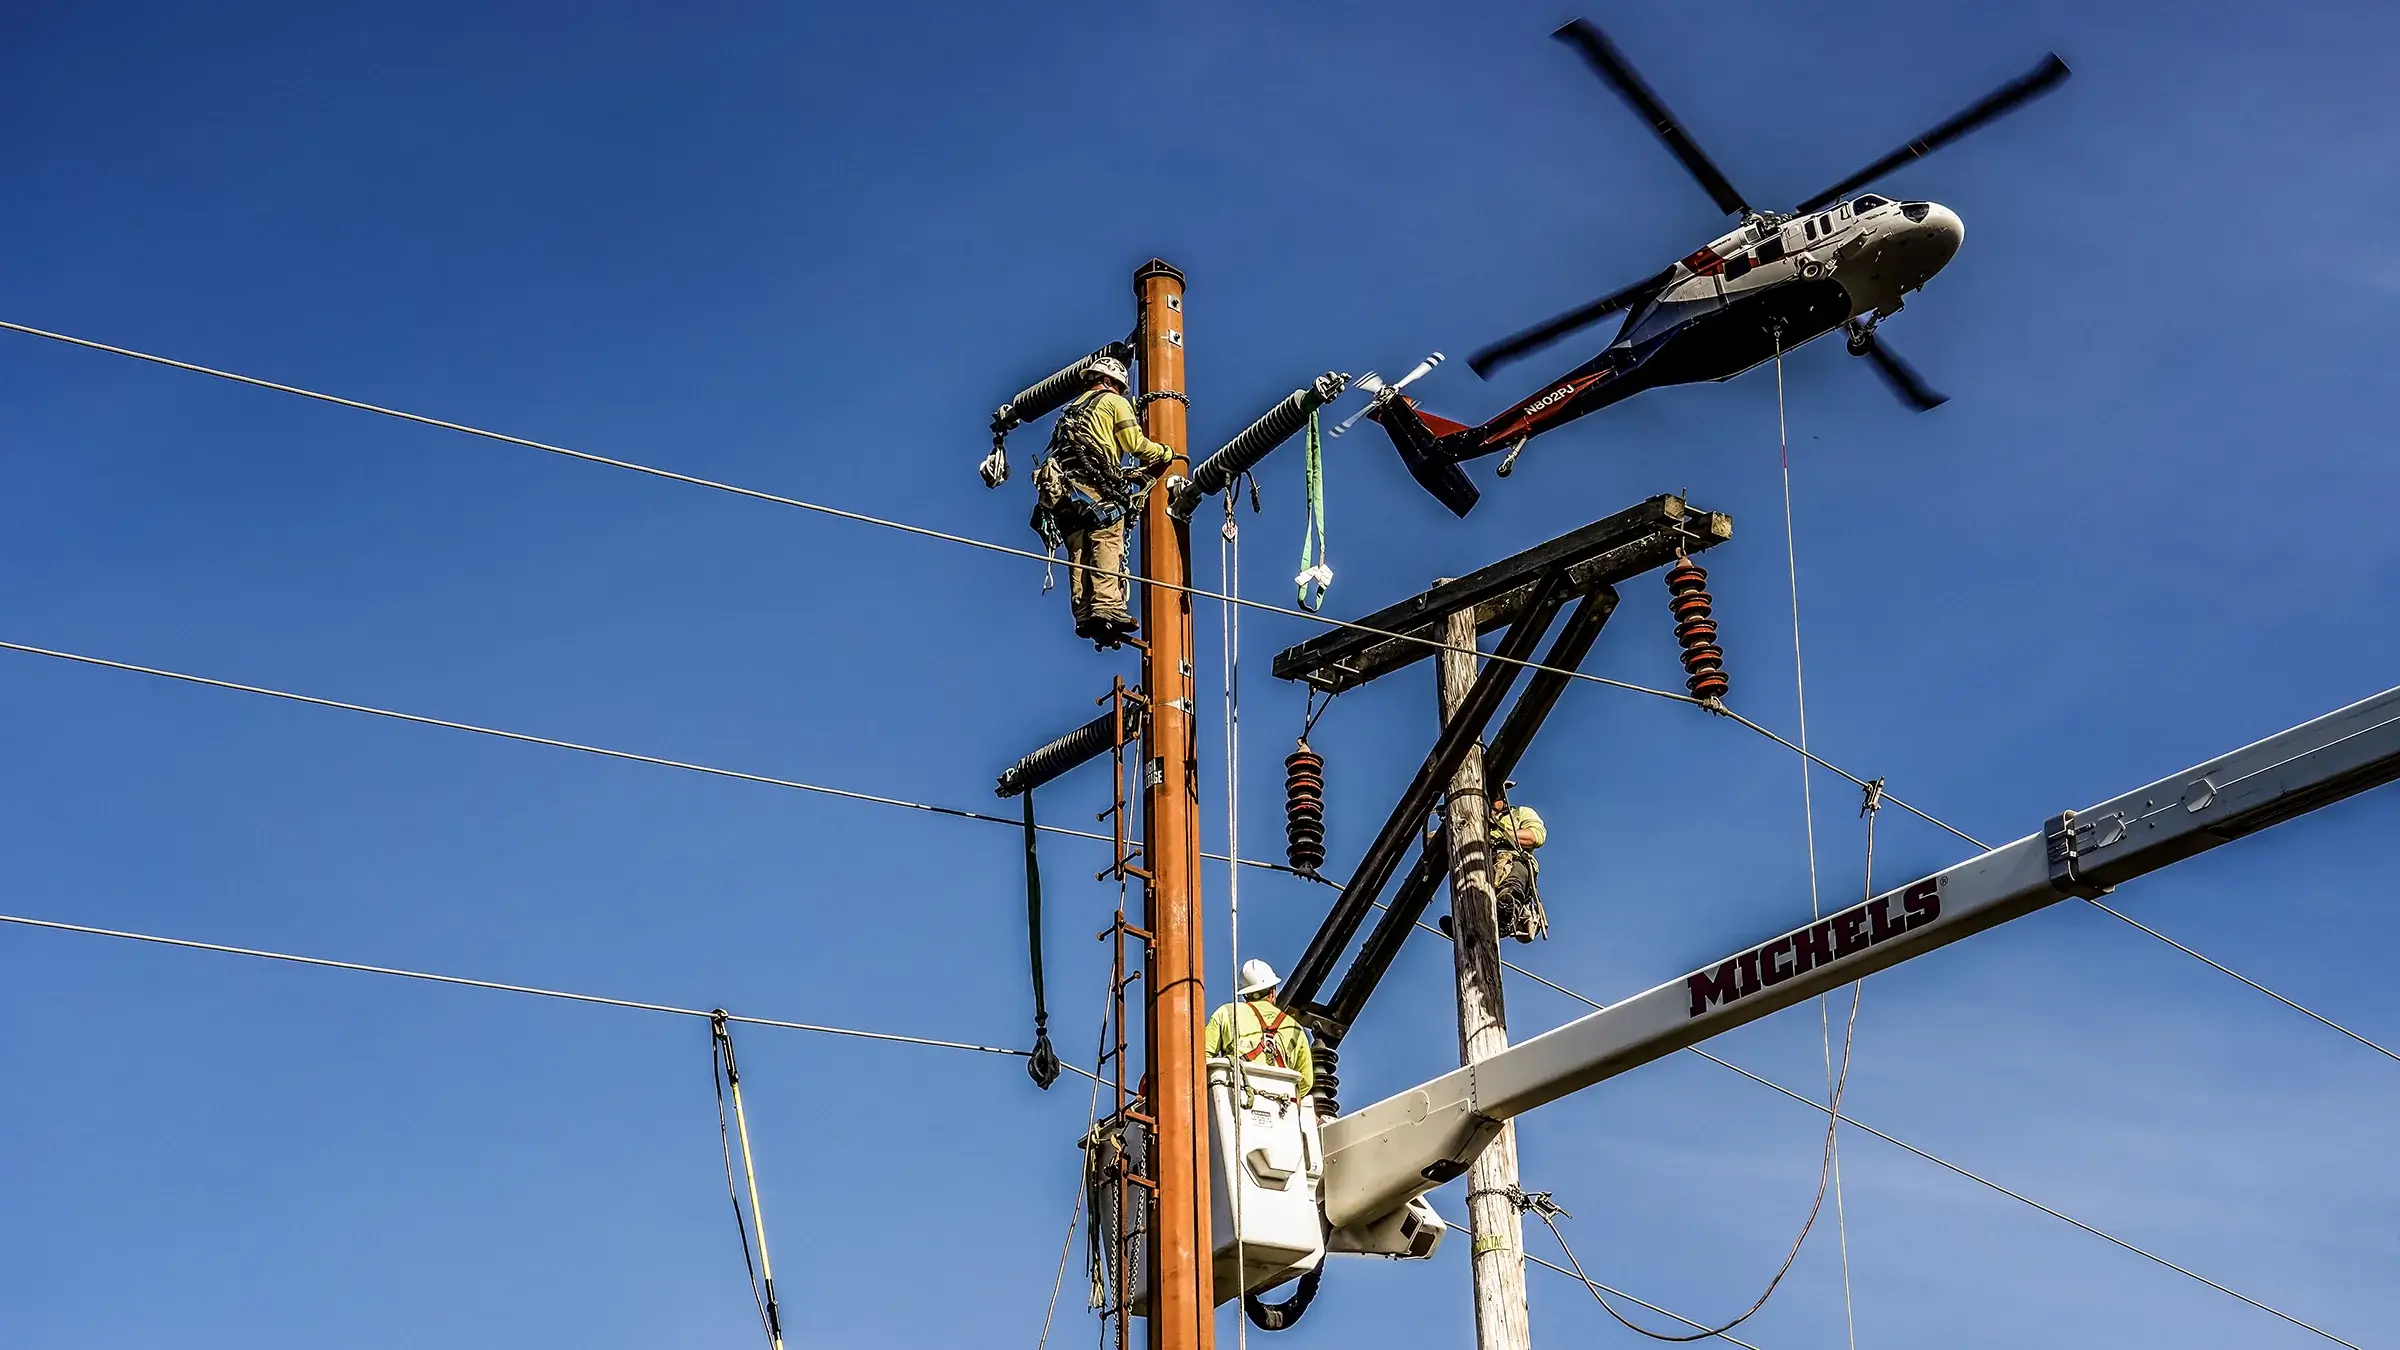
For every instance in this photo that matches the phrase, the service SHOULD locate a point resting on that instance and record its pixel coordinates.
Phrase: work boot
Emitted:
(1110, 628)
(1092, 627)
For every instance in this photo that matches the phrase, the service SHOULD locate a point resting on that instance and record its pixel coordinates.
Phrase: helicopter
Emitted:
(1774, 282)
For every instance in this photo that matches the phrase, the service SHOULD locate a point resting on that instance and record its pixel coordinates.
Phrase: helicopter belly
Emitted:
(1748, 329)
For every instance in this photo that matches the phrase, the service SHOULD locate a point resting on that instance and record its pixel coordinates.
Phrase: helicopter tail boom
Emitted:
(1425, 443)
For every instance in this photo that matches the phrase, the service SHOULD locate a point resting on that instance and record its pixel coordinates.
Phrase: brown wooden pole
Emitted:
(1183, 1297)
(1502, 1321)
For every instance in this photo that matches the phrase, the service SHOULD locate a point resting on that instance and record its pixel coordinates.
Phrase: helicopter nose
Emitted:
(1938, 229)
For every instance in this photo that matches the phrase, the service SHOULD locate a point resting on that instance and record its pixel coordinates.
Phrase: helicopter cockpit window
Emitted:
(1771, 250)
(1737, 266)
(1869, 202)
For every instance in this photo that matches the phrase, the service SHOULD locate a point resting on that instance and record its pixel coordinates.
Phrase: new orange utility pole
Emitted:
(1182, 1294)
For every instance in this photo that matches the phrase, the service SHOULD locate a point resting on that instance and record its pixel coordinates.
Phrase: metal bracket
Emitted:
(2058, 848)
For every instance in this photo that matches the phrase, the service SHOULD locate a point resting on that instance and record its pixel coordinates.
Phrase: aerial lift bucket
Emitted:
(1266, 1168)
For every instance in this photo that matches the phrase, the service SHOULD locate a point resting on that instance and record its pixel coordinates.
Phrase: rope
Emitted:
(721, 1049)
(1229, 577)
(1808, 816)
(535, 991)
(1042, 1063)
(1315, 567)
(1075, 1216)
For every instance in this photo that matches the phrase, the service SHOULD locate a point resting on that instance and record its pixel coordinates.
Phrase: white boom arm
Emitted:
(1381, 1156)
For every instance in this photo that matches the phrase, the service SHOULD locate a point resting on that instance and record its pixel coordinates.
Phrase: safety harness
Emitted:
(1077, 485)
(1267, 1044)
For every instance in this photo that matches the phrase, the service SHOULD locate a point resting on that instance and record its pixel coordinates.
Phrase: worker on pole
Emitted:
(1099, 464)
(1516, 832)
(1253, 1028)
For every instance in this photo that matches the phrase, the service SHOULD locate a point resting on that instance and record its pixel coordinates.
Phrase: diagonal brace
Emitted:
(1574, 642)
(1458, 736)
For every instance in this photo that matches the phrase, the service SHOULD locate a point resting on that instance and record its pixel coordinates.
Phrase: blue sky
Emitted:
(808, 250)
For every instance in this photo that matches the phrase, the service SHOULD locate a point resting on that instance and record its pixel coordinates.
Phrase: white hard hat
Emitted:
(1112, 368)
(1258, 977)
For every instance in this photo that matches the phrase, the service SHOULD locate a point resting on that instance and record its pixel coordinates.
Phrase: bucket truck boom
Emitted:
(1381, 1157)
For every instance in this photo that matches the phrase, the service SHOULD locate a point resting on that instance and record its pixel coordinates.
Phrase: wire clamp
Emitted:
(2065, 862)
(1536, 1203)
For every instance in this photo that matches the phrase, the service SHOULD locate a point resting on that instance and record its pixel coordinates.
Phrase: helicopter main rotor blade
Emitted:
(1541, 335)
(2026, 87)
(1904, 380)
(1611, 65)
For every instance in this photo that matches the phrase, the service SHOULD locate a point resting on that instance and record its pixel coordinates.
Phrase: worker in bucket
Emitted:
(1098, 465)
(1516, 832)
(1259, 1032)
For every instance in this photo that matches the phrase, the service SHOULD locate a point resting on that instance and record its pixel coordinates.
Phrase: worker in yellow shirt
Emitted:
(1516, 832)
(1257, 1031)
(1099, 464)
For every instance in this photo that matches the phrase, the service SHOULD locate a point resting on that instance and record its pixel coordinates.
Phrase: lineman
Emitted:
(1516, 832)
(1261, 1033)
(1085, 489)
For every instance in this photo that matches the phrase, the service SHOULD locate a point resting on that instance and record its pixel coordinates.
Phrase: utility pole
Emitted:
(1183, 1296)
(1502, 1321)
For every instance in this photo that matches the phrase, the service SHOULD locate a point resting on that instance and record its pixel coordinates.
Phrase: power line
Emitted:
(860, 517)
(1885, 794)
(2028, 1200)
(778, 499)
(1723, 711)
(986, 545)
(578, 746)
(1980, 1180)
(957, 812)
(2223, 970)
(533, 990)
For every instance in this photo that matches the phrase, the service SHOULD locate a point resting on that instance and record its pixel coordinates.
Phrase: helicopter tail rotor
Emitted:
(1379, 394)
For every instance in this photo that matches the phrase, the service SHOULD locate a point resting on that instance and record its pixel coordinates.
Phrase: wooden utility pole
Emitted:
(1182, 1296)
(1502, 1321)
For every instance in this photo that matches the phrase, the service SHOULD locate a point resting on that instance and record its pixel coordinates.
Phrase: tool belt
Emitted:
(1065, 503)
